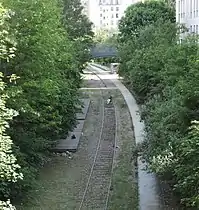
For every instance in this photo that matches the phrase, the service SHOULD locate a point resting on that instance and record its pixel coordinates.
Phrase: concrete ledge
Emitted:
(68, 144)
(82, 116)
(79, 126)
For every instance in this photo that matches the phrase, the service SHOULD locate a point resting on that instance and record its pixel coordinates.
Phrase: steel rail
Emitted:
(98, 150)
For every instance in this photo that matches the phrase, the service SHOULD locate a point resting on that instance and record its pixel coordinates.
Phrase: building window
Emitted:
(104, 18)
(112, 22)
(190, 29)
(116, 15)
(100, 8)
(112, 16)
(104, 10)
(111, 8)
(117, 8)
(100, 22)
(100, 15)
(196, 29)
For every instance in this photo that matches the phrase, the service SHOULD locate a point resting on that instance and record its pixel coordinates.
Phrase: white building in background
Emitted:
(105, 14)
(187, 13)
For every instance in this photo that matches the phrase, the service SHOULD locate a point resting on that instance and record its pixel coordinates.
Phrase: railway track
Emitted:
(97, 190)
(107, 83)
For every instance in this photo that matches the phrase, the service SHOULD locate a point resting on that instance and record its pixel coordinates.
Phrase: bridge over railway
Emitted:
(103, 51)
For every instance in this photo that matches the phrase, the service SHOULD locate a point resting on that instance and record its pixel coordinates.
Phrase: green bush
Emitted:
(164, 75)
(46, 95)
(10, 170)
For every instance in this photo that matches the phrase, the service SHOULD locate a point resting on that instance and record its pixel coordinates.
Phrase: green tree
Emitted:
(164, 75)
(141, 14)
(105, 36)
(79, 30)
(76, 22)
(46, 63)
(9, 169)
(143, 56)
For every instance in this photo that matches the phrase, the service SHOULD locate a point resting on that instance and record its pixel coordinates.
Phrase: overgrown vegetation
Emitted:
(9, 169)
(124, 193)
(46, 94)
(164, 74)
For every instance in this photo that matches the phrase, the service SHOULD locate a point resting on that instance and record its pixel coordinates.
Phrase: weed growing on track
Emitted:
(124, 188)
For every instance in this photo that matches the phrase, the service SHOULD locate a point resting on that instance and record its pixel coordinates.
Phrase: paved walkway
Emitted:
(149, 196)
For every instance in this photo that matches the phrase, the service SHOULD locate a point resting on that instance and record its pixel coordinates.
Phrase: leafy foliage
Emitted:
(141, 14)
(79, 30)
(46, 95)
(164, 75)
(105, 36)
(77, 24)
(9, 169)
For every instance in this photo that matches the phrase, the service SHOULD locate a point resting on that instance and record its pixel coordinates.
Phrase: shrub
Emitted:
(164, 75)
(46, 95)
